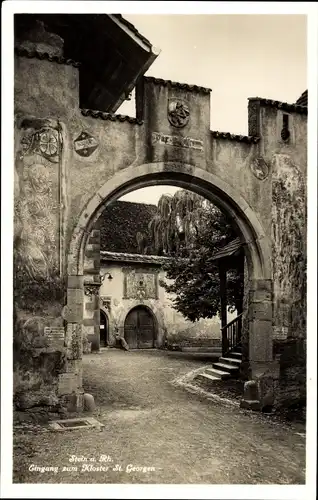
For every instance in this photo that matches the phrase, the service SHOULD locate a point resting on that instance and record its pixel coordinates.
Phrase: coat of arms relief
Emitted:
(178, 112)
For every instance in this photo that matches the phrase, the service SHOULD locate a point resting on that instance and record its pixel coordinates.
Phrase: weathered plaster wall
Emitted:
(153, 99)
(45, 89)
(289, 248)
(235, 162)
(47, 370)
(287, 157)
(271, 125)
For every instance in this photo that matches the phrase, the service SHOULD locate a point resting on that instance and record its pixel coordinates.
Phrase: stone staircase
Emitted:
(226, 367)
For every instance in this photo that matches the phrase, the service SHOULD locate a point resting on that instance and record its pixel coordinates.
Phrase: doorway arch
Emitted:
(103, 329)
(140, 328)
(256, 244)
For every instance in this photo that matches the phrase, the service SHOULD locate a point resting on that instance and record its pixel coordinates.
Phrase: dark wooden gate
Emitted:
(140, 328)
(103, 329)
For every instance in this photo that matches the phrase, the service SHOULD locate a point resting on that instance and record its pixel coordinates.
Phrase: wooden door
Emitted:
(139, 329)
(103, 330)
(131, 329)
(145, 329)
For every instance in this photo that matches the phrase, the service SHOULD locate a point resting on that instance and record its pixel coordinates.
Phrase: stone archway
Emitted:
(208, 185)
(256, 245)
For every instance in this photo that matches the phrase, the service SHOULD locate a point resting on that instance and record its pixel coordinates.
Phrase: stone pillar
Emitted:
(244, 368)
(91, 315)
(260, 322)
(91, 312)
(70, 385)
(259, 392)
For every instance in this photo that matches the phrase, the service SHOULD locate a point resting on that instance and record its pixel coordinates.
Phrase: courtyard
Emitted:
(156, 431)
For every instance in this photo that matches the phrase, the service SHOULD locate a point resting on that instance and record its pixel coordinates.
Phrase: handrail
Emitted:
(231, 335)
(232, 321)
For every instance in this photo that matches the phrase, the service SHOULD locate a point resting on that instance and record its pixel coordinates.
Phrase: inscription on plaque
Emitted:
(54, 332)
(55, 335)
(67, 383)
(280, 333)
(177, 141)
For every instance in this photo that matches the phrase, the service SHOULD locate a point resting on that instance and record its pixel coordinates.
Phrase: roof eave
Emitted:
(131, 31)
(129, 88)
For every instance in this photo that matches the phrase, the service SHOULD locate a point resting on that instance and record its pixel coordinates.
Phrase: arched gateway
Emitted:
(255, 242)
(77, 161)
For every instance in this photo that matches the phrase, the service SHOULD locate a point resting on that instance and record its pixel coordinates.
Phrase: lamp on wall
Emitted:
(108, 275)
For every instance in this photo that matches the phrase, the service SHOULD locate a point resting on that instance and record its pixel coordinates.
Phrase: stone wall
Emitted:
(290, 387)
(289, 248)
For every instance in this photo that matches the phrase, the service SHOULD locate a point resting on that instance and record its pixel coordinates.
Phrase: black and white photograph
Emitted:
(159, 251)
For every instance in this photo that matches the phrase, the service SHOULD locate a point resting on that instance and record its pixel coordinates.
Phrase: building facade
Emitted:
(133, 304)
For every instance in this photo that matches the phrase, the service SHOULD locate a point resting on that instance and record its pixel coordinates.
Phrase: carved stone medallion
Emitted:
(178, 112)
(45, 142)
(260, 169)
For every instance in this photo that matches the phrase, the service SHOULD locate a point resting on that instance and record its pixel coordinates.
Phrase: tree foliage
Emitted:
(189, 230)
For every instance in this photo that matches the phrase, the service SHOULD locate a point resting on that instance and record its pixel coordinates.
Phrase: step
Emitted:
(237, 349)
(226, 367)
(206, 377)
(233, 354)
(213, 350)
(215, 372)
(234, 361)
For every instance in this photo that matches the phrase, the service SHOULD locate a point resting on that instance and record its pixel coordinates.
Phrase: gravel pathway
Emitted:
(157, 432)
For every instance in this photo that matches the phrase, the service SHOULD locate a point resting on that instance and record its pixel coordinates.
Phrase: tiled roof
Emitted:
(228, 250)
(119, 224)
(132, 257)
(232, 137)
(110, 116)
(132, 28)
(285, 106)
(31, 54)
(182, 86)
(303, 99)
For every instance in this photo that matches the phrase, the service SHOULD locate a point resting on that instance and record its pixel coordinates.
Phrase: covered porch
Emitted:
(231, 257)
